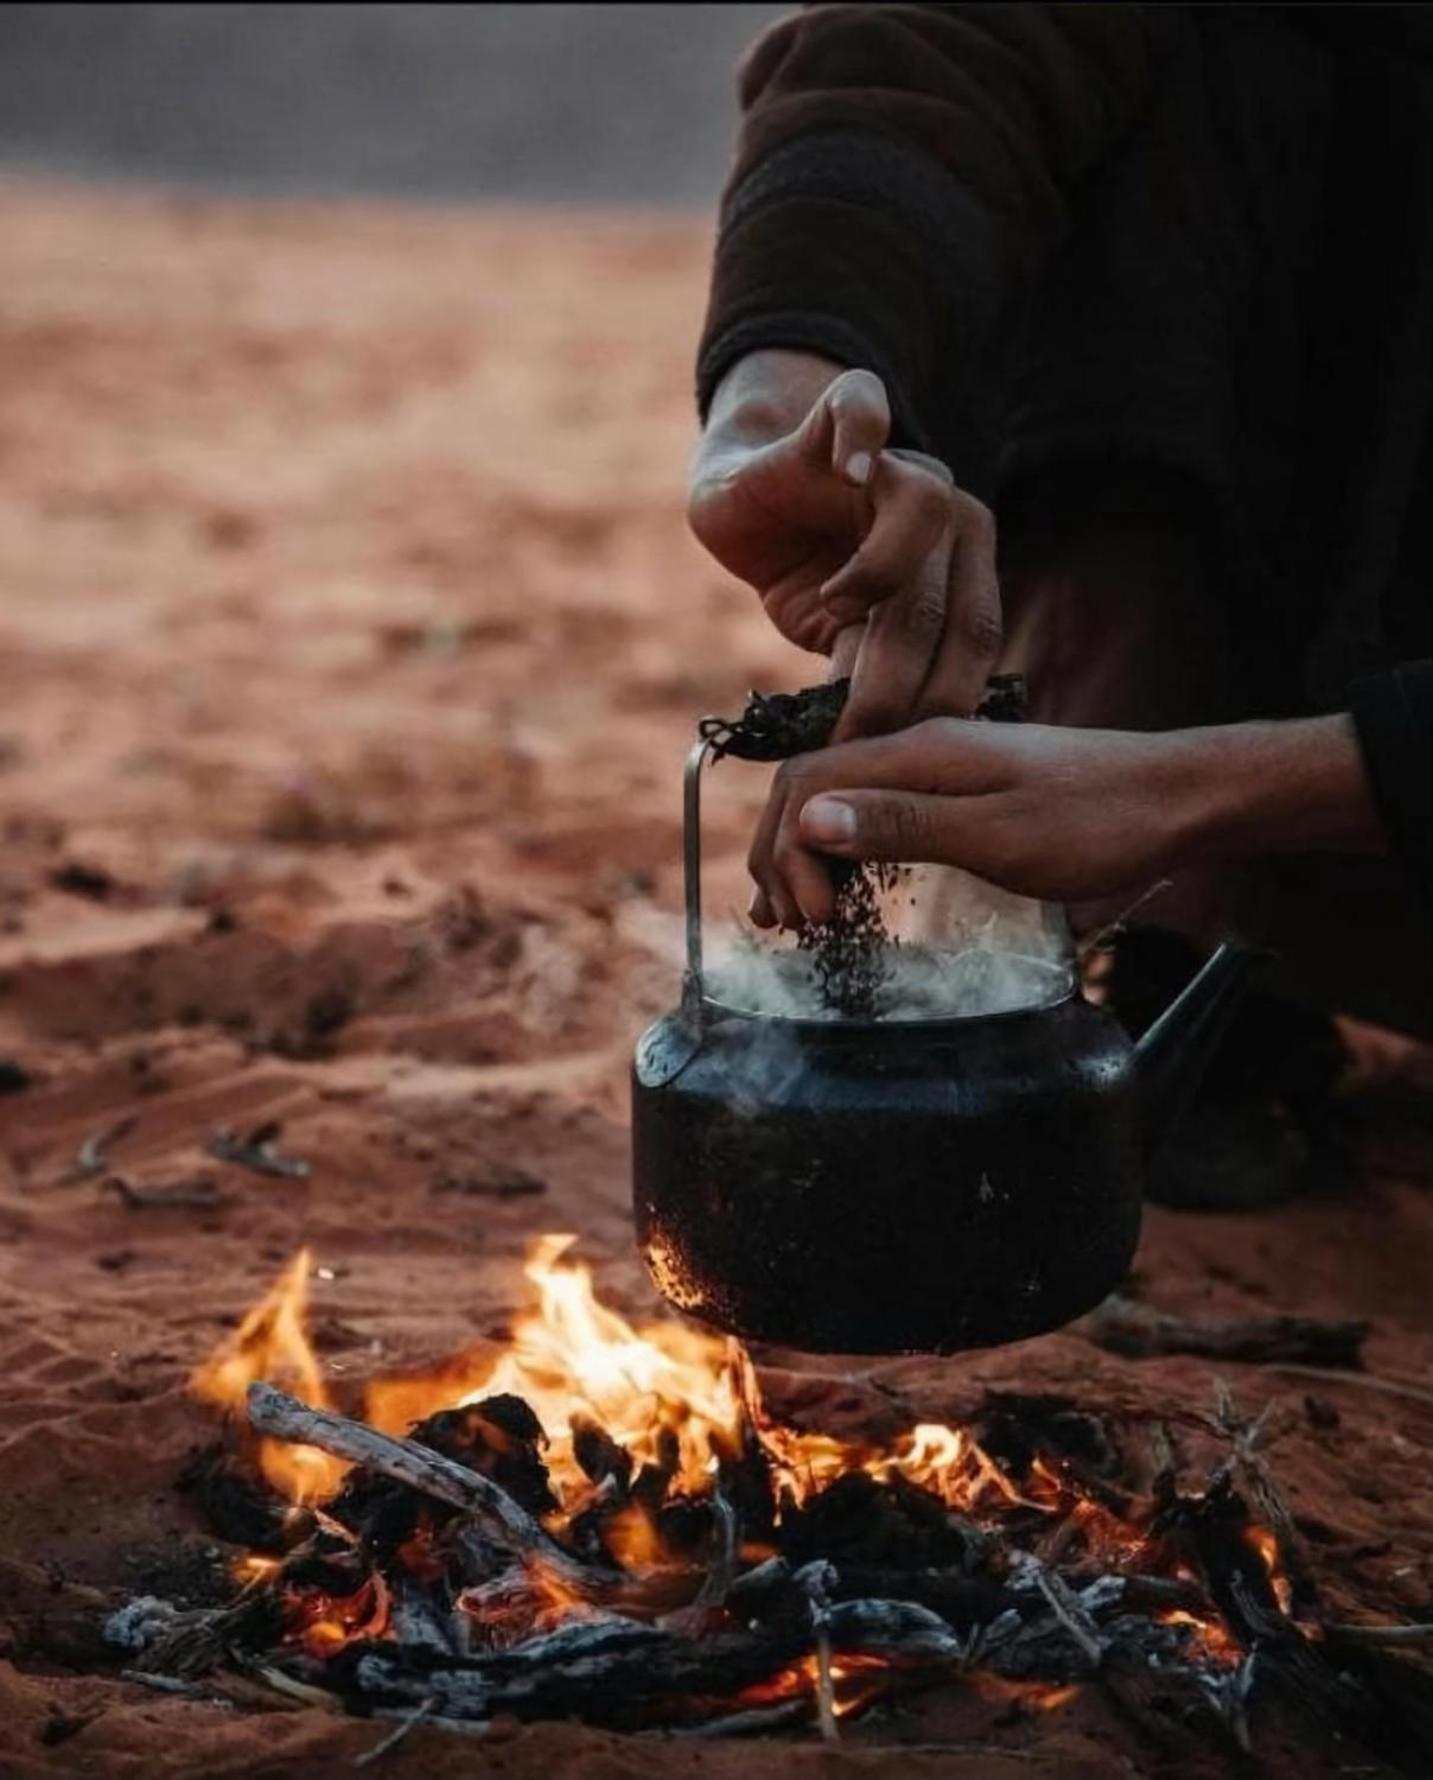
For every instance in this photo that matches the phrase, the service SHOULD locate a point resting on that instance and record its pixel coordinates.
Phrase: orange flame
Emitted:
(272, 1343)
(1267, 1546)
(851, 1695)
(573, 1358)
(670, 1395)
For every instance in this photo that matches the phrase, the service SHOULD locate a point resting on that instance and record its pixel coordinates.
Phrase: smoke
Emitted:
(959, 949)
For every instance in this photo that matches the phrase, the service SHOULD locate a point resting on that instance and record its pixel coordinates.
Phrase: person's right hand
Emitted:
(865, 553)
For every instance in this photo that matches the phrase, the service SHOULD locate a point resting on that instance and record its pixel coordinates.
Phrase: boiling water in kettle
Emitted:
(956, 947)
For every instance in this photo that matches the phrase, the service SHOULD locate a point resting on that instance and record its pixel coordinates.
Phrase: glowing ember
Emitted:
(633, 1482)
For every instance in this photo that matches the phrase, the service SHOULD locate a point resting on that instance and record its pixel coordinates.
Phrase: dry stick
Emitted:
(398, 1733)
(175, 1684)
(751, 1723)
(1139, 1331)
(199, 1194)
(1382, 1634)
(1328, 1376)
(91, 1159)
(690, 1620)
(416, 1467)
(825, 1682)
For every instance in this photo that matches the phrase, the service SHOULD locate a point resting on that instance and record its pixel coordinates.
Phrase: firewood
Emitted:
(283, 1417)
(1138, 1331)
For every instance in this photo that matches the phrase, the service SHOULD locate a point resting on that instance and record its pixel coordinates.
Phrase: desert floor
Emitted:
(350, 640)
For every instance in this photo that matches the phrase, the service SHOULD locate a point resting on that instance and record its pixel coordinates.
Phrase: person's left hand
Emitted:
(1066, 815)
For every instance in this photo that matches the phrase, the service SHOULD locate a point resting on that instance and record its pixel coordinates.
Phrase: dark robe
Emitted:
(1196, 242)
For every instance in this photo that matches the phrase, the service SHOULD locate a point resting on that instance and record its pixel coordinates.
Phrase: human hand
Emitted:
(858, 551)
(1065, 815)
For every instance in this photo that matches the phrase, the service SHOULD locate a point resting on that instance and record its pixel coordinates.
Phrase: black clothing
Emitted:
(1197, 240)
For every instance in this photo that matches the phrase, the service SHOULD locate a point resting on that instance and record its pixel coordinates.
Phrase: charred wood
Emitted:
(406, 1462)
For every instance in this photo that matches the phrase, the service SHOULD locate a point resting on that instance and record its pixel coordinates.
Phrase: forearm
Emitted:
(1244, 789)
(900, 172)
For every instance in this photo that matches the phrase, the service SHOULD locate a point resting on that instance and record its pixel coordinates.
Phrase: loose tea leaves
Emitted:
(776, 725)
(850, 952)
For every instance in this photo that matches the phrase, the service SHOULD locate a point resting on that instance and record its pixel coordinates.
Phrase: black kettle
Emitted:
(901, 1186)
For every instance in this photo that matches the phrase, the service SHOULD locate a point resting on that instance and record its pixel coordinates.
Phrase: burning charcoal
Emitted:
(744, 1477)
(383, 1513)
(609, 1673)
(962, 1601)
(234, 1504)
(858, 1520)
(754, 1587)
(417, 1621)
(654, 1480)
(898, 1629)
(1016, 1429)
(599, 1455)
(684, 1524)
(499, 1438)
(339, 1571)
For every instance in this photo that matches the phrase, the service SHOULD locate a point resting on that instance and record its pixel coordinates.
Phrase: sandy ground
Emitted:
(349, 643)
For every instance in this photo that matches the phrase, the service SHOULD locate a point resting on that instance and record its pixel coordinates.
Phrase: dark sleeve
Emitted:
(900, 172)
(1393, 714)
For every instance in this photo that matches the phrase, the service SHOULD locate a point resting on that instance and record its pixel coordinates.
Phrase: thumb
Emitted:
(848, 426)
(904, 827)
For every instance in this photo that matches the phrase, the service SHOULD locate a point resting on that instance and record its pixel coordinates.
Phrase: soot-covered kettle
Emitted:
(885, 1186)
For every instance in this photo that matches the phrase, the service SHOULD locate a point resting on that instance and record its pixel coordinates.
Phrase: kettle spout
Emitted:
(1171, 1058)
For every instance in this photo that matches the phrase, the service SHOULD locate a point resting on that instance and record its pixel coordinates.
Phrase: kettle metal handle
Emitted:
(693, 987)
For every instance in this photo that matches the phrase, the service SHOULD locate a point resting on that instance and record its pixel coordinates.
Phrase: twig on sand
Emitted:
(199, 1194)
(257, 1151)
(286, 1684)
(1123, 1326)
(1382, 1634)
(175, 1684)
(90, 1158)
(423, 1710)
(1328, 1375)
(752, 1723)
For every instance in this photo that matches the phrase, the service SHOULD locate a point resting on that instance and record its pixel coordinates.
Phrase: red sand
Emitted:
(350, 628)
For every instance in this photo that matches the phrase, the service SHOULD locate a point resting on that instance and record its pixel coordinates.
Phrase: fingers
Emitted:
(912, 501)
(907, 827)
(901, 638)
(970, 640)
(848, 427)
(793, 885)
(845, 651)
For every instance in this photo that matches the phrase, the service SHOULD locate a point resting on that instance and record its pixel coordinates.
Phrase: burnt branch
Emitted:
(417, 1467)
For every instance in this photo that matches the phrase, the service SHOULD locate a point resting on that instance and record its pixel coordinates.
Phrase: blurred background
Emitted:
(629, 104)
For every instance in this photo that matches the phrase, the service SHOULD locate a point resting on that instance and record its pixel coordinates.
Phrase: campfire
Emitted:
(611, 1524)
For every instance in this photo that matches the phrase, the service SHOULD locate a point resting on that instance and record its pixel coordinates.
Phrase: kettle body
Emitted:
(889, 1186)
(871, 1188)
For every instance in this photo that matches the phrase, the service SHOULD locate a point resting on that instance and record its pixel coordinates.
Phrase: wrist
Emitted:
(1238, 790)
